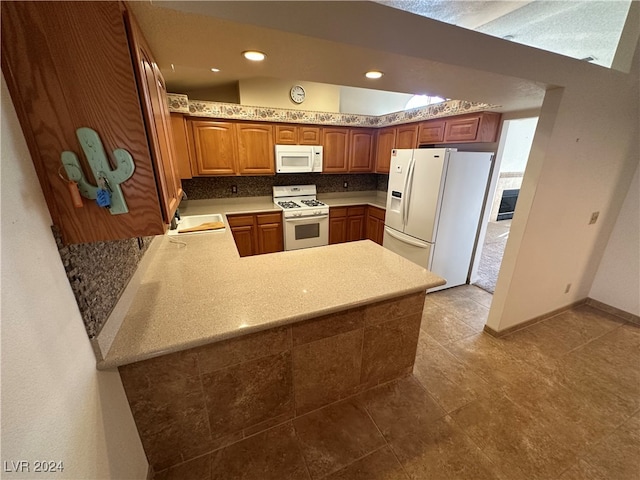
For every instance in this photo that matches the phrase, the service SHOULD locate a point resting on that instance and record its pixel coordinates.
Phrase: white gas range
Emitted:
(306, 219)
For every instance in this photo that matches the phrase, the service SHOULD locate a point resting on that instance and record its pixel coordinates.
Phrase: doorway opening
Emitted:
(511, 161)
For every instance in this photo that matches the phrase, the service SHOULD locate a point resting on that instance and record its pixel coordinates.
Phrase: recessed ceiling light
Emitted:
(508, 37)
(215, 70)
(254, 55)
(373, 74)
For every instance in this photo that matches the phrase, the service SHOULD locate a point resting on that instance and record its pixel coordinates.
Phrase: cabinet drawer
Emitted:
(335, 212)
(376, 213)
(264, 218)
(240, 220)
(355, 210)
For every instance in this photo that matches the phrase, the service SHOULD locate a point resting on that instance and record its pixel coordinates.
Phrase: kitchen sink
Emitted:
(191, 221)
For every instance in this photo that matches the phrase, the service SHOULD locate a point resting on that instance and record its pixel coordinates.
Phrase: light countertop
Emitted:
(199, 290)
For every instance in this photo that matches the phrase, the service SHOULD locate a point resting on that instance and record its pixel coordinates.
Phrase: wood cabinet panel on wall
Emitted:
(336, 150)
(72, 83)
(255, 149)
(361, 150)
(214, 147)
(181, 143)
(157, 119)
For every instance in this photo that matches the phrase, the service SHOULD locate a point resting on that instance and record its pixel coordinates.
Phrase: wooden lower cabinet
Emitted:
(375, 224)
(269, 232)
(258, 233)
(349, 224)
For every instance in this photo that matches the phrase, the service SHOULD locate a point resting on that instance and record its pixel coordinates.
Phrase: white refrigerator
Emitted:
(435, 203)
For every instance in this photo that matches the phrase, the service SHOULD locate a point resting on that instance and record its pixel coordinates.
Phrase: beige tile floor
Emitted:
(557, 400)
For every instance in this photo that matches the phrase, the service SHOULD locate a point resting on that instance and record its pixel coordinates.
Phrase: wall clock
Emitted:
(297, 94)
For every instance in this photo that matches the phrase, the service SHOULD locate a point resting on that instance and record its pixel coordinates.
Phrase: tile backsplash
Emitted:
(221, 187)
(98, 273)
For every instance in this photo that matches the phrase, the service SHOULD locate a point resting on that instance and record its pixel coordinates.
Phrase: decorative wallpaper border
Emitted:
(199, 108)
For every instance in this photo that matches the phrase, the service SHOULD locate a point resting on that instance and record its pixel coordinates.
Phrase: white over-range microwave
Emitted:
(298, 158)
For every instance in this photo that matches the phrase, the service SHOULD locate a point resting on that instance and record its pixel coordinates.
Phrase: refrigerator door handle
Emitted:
(413, 243)
(407, 190)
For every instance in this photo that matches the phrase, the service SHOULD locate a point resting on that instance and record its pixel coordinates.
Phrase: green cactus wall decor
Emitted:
(97, 158)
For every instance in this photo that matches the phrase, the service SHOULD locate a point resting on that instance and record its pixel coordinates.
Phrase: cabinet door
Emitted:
(270, 235)
(386, 143)
(255, 149)
(157, 120)
(431, 131)
(462, 129)
(214, 147)
(336, 150)
(375, 224)
(286, 134)
(407, 136)
(355, 223)
(337, 225)
(361, 150)
(309, 135)
(68, 65)
(243, 229)
(181, 144)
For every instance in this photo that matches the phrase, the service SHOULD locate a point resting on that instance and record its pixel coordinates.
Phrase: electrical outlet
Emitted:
(567, 288)
(234, 189)
(594, 218)
(345, 184)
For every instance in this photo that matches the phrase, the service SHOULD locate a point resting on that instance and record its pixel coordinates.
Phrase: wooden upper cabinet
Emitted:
(298, 135)
(68, 65)
(336, 150)
(308, 135)
(180, 131)
(255, 149)
(361, 150)
(431, 131)
(462, 130)
(407, 136)
(286, 134)
(479, 127)
(214, 147)
(157, 119)
(386, 142)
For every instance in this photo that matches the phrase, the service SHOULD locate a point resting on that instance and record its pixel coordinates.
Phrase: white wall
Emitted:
(274, 92)
(617, 281)
(517, 143)
(55, 404)
(371, 102)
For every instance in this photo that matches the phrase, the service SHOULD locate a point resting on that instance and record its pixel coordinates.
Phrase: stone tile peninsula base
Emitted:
(195, 401)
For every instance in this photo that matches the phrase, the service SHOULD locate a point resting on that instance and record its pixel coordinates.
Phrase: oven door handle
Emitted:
(305, 219)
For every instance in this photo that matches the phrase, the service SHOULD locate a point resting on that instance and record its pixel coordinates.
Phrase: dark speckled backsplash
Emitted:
(220, 187)
(98, 274)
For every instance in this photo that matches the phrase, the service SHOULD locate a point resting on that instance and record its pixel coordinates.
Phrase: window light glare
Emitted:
(215, 70)
(254, 55)
(373, 74)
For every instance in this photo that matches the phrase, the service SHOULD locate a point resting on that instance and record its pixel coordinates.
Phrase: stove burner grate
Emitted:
(312, 203)
(288, 204)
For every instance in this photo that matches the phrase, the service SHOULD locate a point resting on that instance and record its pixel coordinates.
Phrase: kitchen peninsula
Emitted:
(250, 342)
